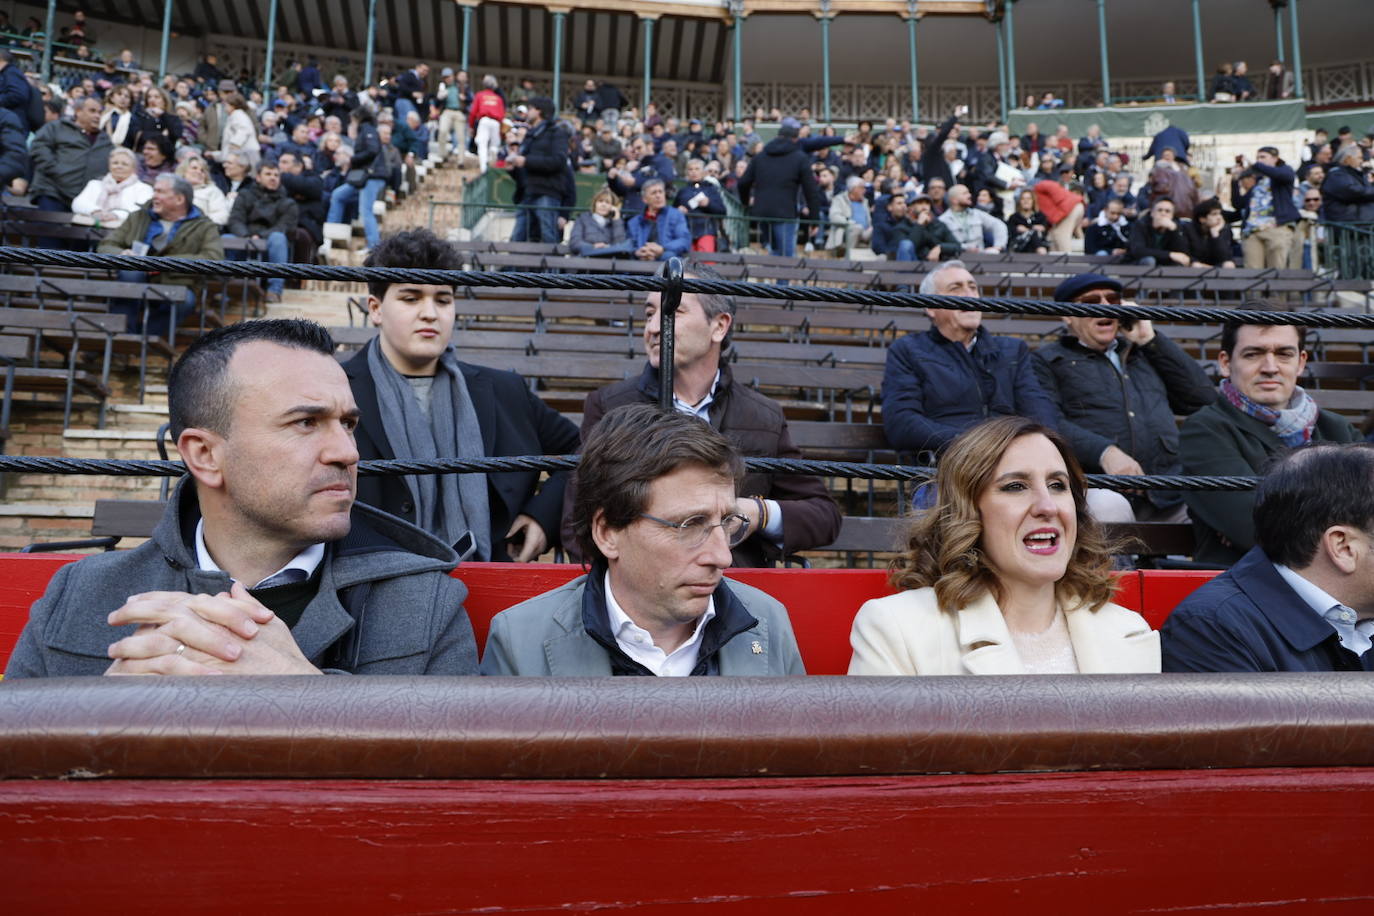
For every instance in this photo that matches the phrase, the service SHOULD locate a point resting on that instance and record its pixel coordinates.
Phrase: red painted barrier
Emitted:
(821, 602)
(1119, 843)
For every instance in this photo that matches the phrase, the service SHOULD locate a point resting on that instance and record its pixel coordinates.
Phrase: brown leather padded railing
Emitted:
(549, 728)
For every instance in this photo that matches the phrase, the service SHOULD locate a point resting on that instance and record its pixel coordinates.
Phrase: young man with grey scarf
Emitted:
(418, 400)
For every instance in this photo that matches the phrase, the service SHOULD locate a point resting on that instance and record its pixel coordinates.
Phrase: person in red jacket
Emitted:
(1062, 207)
(484, 120)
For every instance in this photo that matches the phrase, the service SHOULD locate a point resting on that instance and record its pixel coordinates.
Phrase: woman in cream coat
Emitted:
(1006, 574)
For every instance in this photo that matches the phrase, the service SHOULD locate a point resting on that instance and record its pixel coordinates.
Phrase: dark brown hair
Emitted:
(630, 448)
(944, 544)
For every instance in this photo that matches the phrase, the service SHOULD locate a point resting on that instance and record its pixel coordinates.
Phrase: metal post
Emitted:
(557, 93)
(271, 46)
(1297, 47)
(648, 63)
(737, 11)
(48, 40)
(1001, 68)
(911, 49)
(668, 303)
(166, 38)
(825, 60)
(467, 35)
(1102, 46)
(1278, 34)
(1011, 53)
(371, 41)
(1197, 50)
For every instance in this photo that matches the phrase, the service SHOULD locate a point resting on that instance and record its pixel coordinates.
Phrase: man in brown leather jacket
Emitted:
(786, 512)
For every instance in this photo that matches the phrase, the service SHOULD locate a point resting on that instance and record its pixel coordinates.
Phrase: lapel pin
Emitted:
(756, 648)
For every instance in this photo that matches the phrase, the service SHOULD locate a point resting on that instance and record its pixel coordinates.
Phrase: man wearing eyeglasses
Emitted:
(655, 513)
(1118, 387)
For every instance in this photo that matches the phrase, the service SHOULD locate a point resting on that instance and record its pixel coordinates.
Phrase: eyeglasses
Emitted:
(1099, 297)
(1311, 200)
(693, 532)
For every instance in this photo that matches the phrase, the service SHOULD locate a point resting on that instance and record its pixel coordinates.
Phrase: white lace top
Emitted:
(1048, 652)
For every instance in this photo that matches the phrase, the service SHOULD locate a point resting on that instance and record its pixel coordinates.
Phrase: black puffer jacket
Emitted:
(774, 179)
(545, 149)
(258, 211)
(1133, 410)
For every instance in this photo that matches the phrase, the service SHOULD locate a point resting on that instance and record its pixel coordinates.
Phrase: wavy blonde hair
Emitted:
(944, 543)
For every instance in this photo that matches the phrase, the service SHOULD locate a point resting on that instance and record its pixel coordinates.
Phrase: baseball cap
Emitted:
(1077, 285)
(447, 71)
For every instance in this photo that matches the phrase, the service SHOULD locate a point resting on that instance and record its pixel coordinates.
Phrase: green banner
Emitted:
(1148, 120)
(1359, 120)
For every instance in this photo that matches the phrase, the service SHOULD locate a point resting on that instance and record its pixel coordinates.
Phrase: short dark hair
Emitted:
(418, 248)
(199, 393)
(1230, 330)
(1204, 208)
(630, 448)
(1306, 492)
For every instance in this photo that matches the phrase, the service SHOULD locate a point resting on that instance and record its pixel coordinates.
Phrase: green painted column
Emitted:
(1197, 51)
(739, 64)
(371, 43)
(825, 60)
(557, 94)
(648, 63)
(271, 48)
(1001, 68)
(467, 35)
(1011, 54)
(166, 38)
(1297, 48)
(1102, 46)
(48, 39)
(911, 54)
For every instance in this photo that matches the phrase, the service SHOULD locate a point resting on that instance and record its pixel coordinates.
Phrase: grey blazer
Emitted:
(544, 636)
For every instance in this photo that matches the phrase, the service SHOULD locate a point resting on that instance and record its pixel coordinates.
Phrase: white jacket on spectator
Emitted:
(213, 203)
(240, 136)
(120, 200)
(968, 227)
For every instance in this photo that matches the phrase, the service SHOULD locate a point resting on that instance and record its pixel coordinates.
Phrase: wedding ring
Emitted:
(181, 647)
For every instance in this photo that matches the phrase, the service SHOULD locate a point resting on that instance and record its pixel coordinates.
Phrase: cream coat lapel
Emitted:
(984, 640)
(1112, 641)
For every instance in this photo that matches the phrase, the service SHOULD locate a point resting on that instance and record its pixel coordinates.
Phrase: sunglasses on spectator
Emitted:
(1312, 200)
(1099, 296)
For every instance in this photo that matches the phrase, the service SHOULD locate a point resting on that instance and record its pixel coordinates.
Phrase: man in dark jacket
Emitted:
(1117, 394)
(66, 155)
(700, 201)
(786, 512)
(770, 185)
(417, 400)
(538, 171)
(170, 226)
(14, 154)
(939, 382)
(1262, 412)
(262, 563)
(264, 211)
(642, 168)
(15, 90)
(1157, 238)
(933, 162)
(1303, 599)
(307, 190)
(1263, 196)
(1347, 191)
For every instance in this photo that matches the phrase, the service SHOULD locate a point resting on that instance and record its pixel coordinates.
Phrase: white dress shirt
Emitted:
(299, 568)
(1354, 634)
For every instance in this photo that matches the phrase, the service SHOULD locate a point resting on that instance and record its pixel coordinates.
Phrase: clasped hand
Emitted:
(184, 634)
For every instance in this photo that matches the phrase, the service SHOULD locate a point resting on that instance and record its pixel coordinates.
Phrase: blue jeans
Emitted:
(278, 252)
(346, 194)
(782, 238)
(160, 314)
(541, 215)
(906, 250)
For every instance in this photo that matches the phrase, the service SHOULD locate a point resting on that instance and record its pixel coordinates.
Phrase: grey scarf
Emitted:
(449, 505)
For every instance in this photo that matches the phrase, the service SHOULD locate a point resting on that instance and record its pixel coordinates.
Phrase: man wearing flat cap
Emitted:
(1118, 386)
